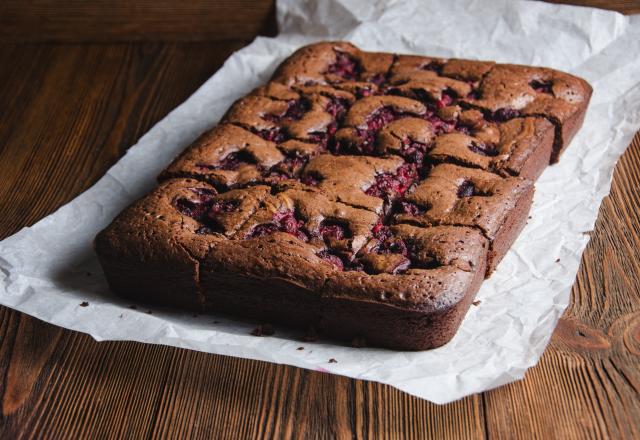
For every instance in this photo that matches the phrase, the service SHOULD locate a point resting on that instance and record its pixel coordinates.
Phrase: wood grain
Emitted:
(74, 108)
(623, 6)
(69, 111)
(142, 20)
(67, 21)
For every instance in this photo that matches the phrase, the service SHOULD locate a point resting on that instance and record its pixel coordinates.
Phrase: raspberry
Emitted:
(542, 86)
(283, 221)
(331, 258)
(190, 208)
(381, 118)
(310, 179)
(378, 79)
(288, 168)
(390, 185)
(295, 111)
(261, 230)
(272, 134)
(363, 92)
(445, 100)
(467, 189)
(483, 149)
(196, 208)
(332, 230)
(345, 67)
(504, 114)
(381, 232)
(440, 125)
(337, 107)
(222, 206)
(410, 208)
(231, 162)
(414, 152)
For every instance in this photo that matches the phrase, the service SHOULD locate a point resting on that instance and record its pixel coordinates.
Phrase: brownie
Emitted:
(364, 195)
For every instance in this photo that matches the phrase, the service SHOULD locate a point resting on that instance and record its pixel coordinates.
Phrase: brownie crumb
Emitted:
(557, 260)
(263, 330)
(333, 361)
(84, 304)
(300, 348)
(476, 302)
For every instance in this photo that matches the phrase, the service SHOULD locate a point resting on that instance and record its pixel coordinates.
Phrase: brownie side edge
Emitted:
(346, 318)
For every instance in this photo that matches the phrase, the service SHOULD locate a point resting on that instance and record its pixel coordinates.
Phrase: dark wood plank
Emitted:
(143, 20)
(161, 20)
(72, 109)
(623, 6)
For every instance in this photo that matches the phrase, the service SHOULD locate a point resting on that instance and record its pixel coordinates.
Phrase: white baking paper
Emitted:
(47, 270)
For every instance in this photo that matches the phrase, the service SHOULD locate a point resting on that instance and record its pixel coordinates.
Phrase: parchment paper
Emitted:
(47, 270)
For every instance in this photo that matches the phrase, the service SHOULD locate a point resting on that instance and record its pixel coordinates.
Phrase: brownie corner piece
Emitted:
(454, 195)
(418, 309)
(147, 253)
(560, 97)
(364, 194)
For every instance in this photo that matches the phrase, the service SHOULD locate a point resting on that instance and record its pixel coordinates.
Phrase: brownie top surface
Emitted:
(353, 172)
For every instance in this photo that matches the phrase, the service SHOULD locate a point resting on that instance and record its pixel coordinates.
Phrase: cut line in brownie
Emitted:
(455, 195)
(365, 194)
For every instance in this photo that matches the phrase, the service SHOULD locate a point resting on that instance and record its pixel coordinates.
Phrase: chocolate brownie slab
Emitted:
(364, 194)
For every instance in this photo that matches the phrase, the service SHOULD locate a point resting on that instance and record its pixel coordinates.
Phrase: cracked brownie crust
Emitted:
(366, 195)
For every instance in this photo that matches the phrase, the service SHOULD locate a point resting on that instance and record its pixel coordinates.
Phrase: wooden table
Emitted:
(80, 82)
